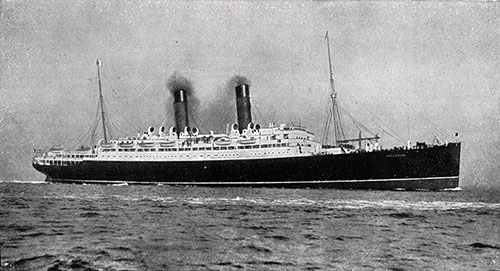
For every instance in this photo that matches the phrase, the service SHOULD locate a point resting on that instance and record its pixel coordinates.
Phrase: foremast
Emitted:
(334, 114)
(101, 101)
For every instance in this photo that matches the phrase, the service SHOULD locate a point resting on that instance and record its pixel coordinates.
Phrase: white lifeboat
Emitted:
(223, 141)
(126, 144)
(167, 143)
(146, 144)
(247, 141)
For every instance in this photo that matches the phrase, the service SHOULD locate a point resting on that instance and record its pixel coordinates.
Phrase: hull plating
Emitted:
(431, 168)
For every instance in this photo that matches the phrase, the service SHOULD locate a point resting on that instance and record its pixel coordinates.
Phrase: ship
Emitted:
(252, 155)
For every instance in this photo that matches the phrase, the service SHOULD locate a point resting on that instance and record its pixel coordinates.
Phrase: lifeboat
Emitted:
(107, 146)
(56, 148)
(147, 144)
(223, 141)
(247, 141)
(126, 144)
(83, 148)
(167, 143)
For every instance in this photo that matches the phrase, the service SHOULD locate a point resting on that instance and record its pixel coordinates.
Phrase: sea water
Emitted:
(102, 227)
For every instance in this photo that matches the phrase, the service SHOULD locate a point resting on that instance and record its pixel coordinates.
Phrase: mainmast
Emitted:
(101, 100)
(334, 115)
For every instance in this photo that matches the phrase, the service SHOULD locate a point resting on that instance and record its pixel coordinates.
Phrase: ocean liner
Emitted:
(253, 155)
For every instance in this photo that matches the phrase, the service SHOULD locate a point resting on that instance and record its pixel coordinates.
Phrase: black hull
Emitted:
(432, 168)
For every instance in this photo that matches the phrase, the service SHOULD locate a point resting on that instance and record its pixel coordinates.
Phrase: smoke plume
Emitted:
(235, 81)
(222, 109)
(175, 82)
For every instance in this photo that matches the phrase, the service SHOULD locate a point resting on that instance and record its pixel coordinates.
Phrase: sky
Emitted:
(405, 70)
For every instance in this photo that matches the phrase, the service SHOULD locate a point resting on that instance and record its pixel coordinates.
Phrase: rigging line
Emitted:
(169, 124)
(445, 135)
(324, 136)
(124, 118)
(96, 124)
(339, 122)
(226, 121)
(202, 112)
(111, 123)
(88, 134)
(387, 126)
(363, 127)
(116, 127)
(347, 112)
(355, 121)
(226, 113)
(383, 131)
(162, 75)
(408, 122)
(195, 116)
(120, 100)
(108, 121)
(381, 125)
(435, 127)
(258, 111)
(420, 115)
(93, 124)
(108, 129)
(392, 133)
(356, 124)
(114, 88)
(115, 94)
(143, 91)
(109, 83)
(373, 116)
(280, 101)
(326, 130)
(367, 114)
(91, 120)
(90, 124)
(97, 121)
(164, 118)
(94, 133)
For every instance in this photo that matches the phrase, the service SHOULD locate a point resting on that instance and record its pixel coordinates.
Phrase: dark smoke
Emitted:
(222, 108)
(175, 82)
(237, 80)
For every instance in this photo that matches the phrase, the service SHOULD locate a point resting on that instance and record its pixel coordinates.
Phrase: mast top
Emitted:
(334, 117)
(332, 82)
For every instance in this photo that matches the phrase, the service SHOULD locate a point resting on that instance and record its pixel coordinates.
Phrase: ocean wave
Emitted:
(340, 204)
(301, 202)
(330, 204)
(422, 205)
(78, 197)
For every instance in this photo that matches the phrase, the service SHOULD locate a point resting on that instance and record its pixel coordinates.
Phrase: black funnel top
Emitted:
(180, 110)
(243, 106)
(180, 95)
